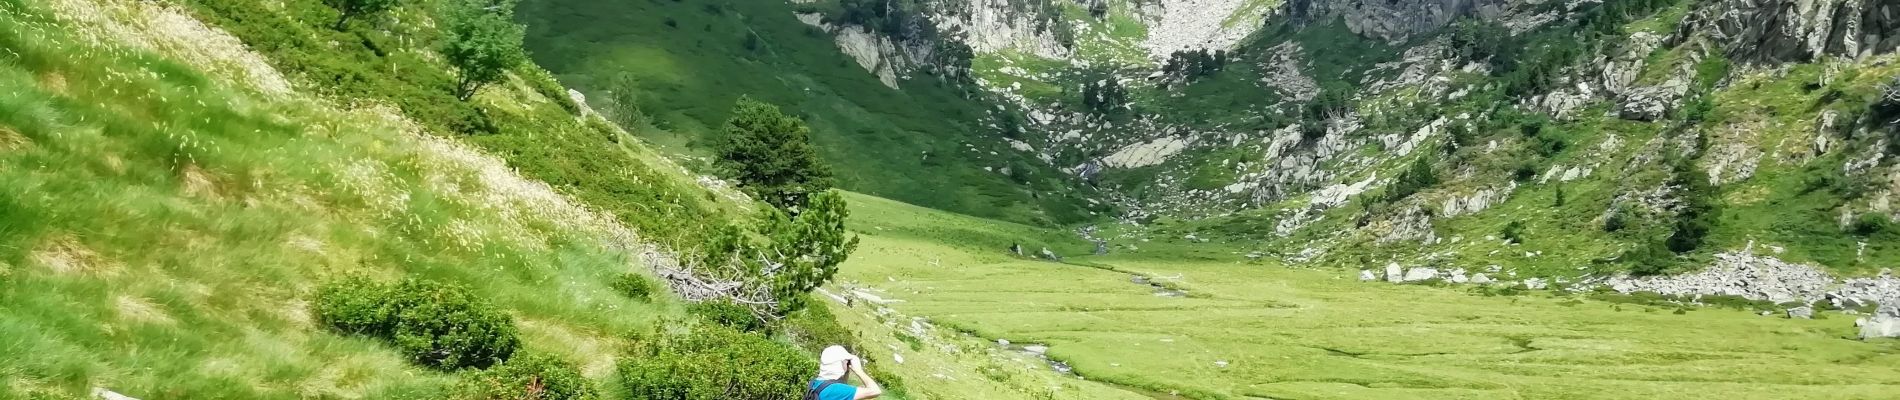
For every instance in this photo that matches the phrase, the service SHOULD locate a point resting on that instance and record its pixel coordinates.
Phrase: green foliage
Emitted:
(634, 285)
(771, 156)
(1650, 259)
(1698, 215)
(729, 314)
(433, 324)
(1513, 232)
(808, 247)
(527, 377)
(482, 41)
(1105, 96)
(349, 9)
(1417, 176)
(1476, 39)
(1869, 224)
(1192, 64)
(714, 362)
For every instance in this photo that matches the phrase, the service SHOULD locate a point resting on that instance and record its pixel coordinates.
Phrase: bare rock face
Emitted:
(1651, 103)
(1391, 20)
(1780, 31)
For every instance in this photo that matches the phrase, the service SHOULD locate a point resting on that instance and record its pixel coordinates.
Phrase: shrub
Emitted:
(531, 377)
(728, 314)
(634, 285)
(355, 306)
(1513, 232)
(433, 324)
(714, 363)
(1869, 224)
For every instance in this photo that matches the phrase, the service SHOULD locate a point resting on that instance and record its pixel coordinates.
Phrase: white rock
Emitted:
(1366, 275)
(1394, 273)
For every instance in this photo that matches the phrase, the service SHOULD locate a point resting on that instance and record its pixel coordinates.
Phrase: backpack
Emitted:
(813, 393)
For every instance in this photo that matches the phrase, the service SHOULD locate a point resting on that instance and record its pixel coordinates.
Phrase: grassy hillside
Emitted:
(678, 66)
(1248, 330)
(164, 228)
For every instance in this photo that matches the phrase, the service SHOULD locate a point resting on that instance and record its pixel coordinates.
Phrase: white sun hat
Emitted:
(831, 362)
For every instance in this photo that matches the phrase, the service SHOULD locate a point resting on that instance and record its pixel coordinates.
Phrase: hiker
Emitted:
(832, 364)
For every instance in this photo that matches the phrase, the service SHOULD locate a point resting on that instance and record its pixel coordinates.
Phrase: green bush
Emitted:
(437, 325)
(1513, 232)
(714, 363)
(1869, 224)
(530, 377)
(634, 285)
(355, 306)
(728, 314)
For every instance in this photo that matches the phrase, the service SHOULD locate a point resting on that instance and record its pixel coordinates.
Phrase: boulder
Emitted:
(1802, 312)
(1535, 284)
(103, 394)
(1394, 273)
(1480, 279)
(1420, 274)
(1885, 323)
(1458, 276)
(1366, 275)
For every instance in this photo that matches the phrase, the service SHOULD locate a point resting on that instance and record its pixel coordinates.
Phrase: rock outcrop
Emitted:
(1885, 323)
(1391, 21)
(1778, 31)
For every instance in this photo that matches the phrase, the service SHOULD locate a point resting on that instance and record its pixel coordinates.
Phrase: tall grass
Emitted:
(160, 235)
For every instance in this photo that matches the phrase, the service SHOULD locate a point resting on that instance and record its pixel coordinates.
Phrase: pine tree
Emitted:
(771, 156)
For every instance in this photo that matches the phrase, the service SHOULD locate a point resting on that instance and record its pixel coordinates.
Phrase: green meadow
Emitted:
(163, 230)
(1262, 330)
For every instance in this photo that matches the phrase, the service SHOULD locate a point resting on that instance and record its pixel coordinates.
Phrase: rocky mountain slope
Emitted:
(1570, 142)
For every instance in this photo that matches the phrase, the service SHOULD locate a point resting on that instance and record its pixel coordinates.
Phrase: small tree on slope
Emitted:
(351, 9)
(771, 156)
(483, 42)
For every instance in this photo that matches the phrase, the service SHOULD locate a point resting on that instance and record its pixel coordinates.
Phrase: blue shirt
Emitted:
(837, 391)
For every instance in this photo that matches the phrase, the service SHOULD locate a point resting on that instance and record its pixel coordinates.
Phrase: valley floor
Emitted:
(1248, 330)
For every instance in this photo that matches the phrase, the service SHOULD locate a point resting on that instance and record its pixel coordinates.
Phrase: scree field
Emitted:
(946, 287)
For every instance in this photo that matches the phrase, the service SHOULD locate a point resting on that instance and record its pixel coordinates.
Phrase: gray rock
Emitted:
(103, 394)
(1366, 275)
(1779, 31)
(1480, 279)
(1767, 278)
(1420, 274)
(1458, 276)
(1394, 273)
(1652, 103)
(1802, 312)
(1036, 349)
(1535, 283)
(1885, 323)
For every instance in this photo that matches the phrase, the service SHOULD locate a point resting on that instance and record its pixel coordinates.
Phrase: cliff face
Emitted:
(1783, 31)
